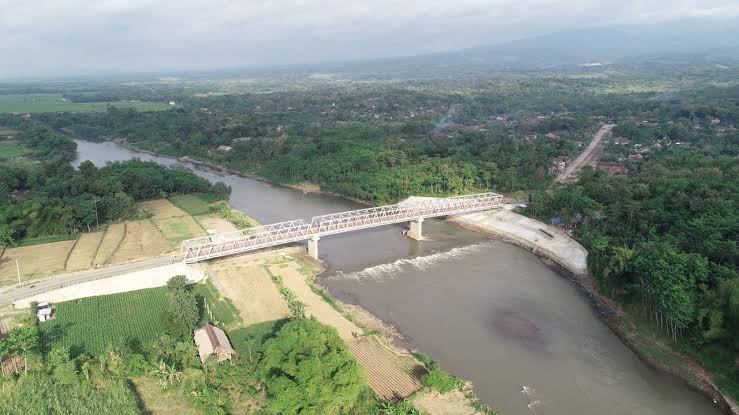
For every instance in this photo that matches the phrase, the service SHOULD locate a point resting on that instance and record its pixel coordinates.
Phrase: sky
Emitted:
(50, 38)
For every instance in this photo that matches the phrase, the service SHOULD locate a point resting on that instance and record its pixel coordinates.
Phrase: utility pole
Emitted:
(97, 221)
(18, 271)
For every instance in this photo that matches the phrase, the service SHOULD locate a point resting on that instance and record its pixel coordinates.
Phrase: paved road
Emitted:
(586, 157)
(72, 278)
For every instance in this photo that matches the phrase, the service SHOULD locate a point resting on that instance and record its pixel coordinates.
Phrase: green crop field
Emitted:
(35, 103)
(191, 204)
(89, 324)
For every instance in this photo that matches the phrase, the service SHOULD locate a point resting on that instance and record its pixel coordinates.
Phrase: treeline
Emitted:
(50, 197)
(664, 238)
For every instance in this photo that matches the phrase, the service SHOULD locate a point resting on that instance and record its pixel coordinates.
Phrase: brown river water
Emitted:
(486, 310)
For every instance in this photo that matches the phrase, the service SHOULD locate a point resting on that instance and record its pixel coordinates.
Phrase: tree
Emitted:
(308, 370)
(182, 302)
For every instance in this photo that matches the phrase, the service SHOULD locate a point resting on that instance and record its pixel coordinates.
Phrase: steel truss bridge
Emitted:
(413, 210)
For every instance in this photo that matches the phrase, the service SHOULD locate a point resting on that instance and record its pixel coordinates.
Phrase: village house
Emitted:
(620, 140)
(223, 148)
(612, 168)
(559, 164)
(553, 136)
(212, 341)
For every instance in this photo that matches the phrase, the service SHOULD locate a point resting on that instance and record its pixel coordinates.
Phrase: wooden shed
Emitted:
(213, 341)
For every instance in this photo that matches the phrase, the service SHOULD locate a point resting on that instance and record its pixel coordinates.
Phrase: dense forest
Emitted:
(44, 195)
(663, 240)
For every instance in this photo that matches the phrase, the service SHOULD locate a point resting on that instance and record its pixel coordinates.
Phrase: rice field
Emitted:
(142, 240)
(37, 103)
(112, 238)
(88, 325)
(84, 251)
(162, 209)
(177, 229)
(34, 261)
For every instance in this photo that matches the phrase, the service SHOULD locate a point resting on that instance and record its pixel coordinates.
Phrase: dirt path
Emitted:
(587, 157)
(315, 305)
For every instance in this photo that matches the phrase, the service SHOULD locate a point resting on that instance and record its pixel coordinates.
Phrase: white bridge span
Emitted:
(413, 210)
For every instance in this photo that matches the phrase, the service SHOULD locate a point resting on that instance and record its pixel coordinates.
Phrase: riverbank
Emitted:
(305, 187)
(570, 258)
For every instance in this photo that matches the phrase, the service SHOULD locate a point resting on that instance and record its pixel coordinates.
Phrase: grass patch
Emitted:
(223, 309)
(89, 325)
(9, 150)
(45, 240)
(192, 204)
(656, 344)
(436, 378)
(37, 103)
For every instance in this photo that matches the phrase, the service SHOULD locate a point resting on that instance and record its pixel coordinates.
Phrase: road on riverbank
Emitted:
(73, 278)
(587, 157)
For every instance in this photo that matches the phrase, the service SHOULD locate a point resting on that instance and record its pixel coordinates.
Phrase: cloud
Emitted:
(62, 37)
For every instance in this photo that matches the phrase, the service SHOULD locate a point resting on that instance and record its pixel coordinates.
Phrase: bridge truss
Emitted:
(218, 245)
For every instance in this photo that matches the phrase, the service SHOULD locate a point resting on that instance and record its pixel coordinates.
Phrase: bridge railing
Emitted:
(422, 208)
(297, 230)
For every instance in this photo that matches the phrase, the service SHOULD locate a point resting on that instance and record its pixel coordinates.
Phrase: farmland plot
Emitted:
(142, 240)
(89, 324)
(391, 374)
(177, 229)
(34, 261)
(162, 209)
(84, 251)
(112, 238)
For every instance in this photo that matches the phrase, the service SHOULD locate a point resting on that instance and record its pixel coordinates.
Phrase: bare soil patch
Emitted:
(142, 240)
(214, 224)
(84, 251)
(250, 288)
(112, 238)
(392, 375)
(315, 305)
(450, 403)
(158, 401)
(35, 261)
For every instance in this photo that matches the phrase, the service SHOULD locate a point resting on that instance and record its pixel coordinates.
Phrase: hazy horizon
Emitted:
(68, 38)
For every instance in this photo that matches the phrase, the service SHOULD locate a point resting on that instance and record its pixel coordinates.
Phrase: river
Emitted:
(487, 311)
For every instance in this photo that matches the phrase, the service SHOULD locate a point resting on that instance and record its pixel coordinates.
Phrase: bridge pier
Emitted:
(313, 247)
(416, 231)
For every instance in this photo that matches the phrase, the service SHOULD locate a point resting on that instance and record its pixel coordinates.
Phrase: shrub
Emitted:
(307, 369)
(443, 382)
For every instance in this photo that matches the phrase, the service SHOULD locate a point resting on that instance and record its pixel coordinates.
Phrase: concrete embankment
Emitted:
(547, 241)
(137, 280)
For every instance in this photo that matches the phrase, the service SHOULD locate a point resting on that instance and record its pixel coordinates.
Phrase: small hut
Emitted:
(213, 341)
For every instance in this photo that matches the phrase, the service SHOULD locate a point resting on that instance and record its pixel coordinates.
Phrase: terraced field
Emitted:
(112, 238)
(34, 261)
(84, 251)
(177, 229)
(142, 240)
(392, 375)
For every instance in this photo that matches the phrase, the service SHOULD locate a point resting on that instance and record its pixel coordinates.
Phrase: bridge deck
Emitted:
(213, 246)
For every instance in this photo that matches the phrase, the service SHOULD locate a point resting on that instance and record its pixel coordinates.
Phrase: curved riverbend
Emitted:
(488, 311)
